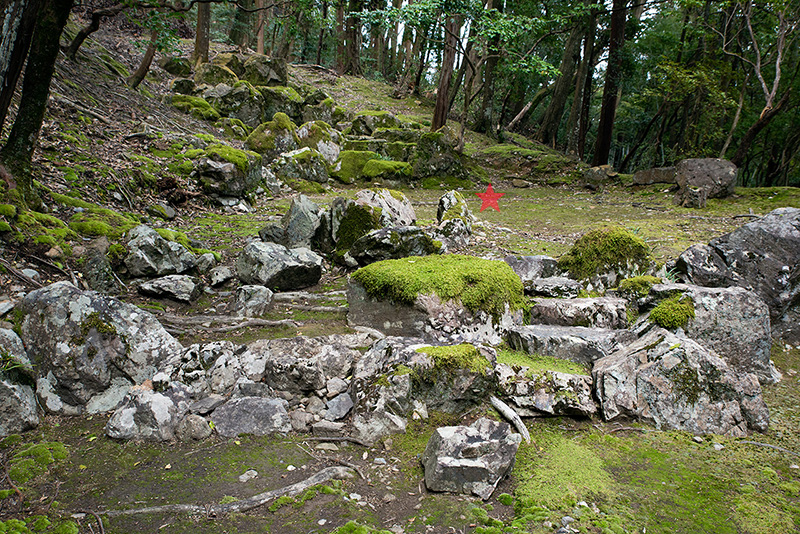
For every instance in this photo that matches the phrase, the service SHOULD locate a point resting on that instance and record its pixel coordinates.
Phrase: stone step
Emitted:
(576, 343)
(599, 312)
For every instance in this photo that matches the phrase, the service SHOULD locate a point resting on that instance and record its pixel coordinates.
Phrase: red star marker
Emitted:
(489, 198)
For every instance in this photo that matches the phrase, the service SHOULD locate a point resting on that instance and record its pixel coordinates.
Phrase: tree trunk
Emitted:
(485, 121)
(136, 78)
(17, 153)
(548, 131)
(259, 27)
(340, 37)
(321, 40)
(538, 97)
(762, 122)
(608, 108)
(201, 37)
(352, 62)
(585, 70)
(393, 53)
(240, 30)
(19, 17)
(92, 27)
(452, 29)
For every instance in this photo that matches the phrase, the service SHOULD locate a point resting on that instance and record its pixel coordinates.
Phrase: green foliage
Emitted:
(354, 527)
(478, 283)
(602, 250)
(673, 312)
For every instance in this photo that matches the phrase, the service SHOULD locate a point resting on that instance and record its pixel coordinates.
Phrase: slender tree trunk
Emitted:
(608, 109)
(202, 34)
(18, 21)
(423, 59)
(17, 153)
(751, 134)
(259, 27)
(736, 118)
(452, 29)
(584, 71)
(136, 78)
(340, 37)
(485, 121)
(548, 131)
(352, 63)
(92, 27)
(390, 69)
(240, 30)
(537, 98)
(321, 40)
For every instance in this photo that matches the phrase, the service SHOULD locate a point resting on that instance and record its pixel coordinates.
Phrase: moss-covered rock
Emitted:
(349, 166)
(197, 107)
(366, 122)
(638, 286)
(604, 256)
(177, 66)
(319, 136)
(231, 61)
(404, 135)
(280, 99)
(233, 128)
(302, 164)
(227, 171)
(327, 111)
(479, 284)
(365, 143)
(351, 222)
(436, 156)
(274, 137)
(213, 74)
(378, 169)
(263, 70)
(673, 312)
(400, 151)
(242, 101)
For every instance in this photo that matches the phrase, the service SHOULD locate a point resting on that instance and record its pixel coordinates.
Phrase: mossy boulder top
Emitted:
(274, 137)
(230, 60)
(349, 166)
(604, 257)
(366, 122)
(263, 70)
(321, 137)
(213, 74)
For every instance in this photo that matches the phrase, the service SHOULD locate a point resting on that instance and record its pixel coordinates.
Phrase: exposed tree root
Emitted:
(507, 412)
(211, 510)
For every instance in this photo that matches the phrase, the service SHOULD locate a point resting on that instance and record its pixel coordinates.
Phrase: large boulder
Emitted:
(263, 70)
(319, 136)
(281, 99)
(301, 222)
(599, 312)
(145, 414)
(230, 60)
(303, 164)
(674, 383)
(228, 172)
(436, 156)
(252, 301)
(242, 101)
(536, 392)
(213, 74)
(149, 254)
(733, 322)
(470, 459)
(366, 122)
(349, 165)
(393, 243)
(81, 341)
(716, 178)
(251, 415)
(762, 256)
(277, 267)
(576, 343)
(393, 207)
(530, 268)
(274, 137)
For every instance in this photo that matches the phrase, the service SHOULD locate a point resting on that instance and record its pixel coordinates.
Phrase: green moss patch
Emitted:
(638, 285)
(392, 170)
(536, 362)
(673, 312)
(479, 284)
(349, 167)
(197, 107)
(464, 356)
(240, 158)
(604, 250)
(262, 139)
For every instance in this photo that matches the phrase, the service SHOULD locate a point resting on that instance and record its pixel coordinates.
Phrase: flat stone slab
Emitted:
(576, 343)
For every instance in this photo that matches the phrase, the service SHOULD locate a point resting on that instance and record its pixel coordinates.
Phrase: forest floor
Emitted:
(609, 477)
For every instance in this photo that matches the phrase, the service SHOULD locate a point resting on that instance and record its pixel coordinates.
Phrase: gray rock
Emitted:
(301, 420)
(576, 343)
(394, 243)
(111, 398)
(177, 66)
(339, 407)
(716, 177)
(252, 301)
(470, 459)
(675, 383)
(533, 393)
(183, 86)
(240, 102)
(18, 411)
(428, 317)
(762, 256)
(264, 70)
(227, 179)
(315, 405)
(376, 425)
(336, 385)
(733, 322)
(301, 164)
(532, 268)
(555, 286)
(277, 267)
(175, 286)
(393, 206)
(162, 210)
(147, 415)
(85, 340)
(281, 100)
(599, 312)
(453, 233)
(251, 415)
(220, 275)
(96, 268)
(301, 222)
(320, 137)
(232, 366)
(366, 122)
(206, 262)
(658, 175)
(452, 205)
(230, 60)
(192, 428)
(13, 352)
(327, 428)
(206, 405)
(247, 388)
(149, 254)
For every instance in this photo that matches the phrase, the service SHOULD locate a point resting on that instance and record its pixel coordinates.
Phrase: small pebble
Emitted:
(322, 522)
(355, 497)
(389, 498)
(380, 461)
(718, 446)
(794, 466)
(566, 520)
(547, 524)
(248, 475)
(290, 467)
(697, 439)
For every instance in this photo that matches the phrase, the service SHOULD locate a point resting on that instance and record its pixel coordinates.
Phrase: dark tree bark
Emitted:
(340, 34)
(585, 70)
(608, 108)
(321, 40)
(93, 26)
(747, 141)
(18, 18)
(565, 84)
(485, 120)
(141, 71)
(201, 38)
(452, 29)
(352, 62)
(17, 153)
(240, 30)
